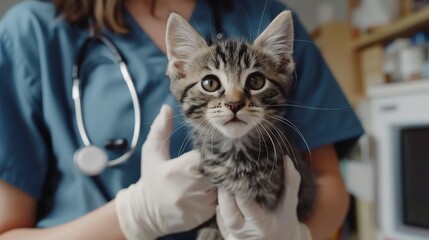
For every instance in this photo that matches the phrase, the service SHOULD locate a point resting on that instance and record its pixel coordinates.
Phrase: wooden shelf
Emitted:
(400, 28)
(396, 89)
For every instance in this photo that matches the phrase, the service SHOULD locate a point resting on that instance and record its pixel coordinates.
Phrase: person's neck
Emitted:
(154, 21)
(161, 9)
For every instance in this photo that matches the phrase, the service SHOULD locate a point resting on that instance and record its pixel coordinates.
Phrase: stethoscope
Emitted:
(91, 159)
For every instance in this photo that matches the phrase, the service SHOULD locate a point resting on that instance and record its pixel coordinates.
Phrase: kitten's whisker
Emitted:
(262, 17)
(305, 41)
(259, 128)
(307, 107)
(294, 71)
(259, 27)
(274, 145)
(250, 25)
(277, 140)
(265, 143)
(209, 132)
(212, 129)
(202, 131)
(273, 127)
(150, 123)
(188, 138)
(185, 142)
(257, 161)
(259, 140)
(295, 128)
(287, 144)
(290, 124)
(192, 17)
(217, 116)
(197, 26)
(174, 131)
(206, 134)
(275, 157)
(211, 53)
(259, 145)
(257, 53)
(211, 28)
(175, 116)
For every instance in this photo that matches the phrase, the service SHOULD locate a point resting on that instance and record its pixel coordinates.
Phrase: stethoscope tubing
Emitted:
(76, 94)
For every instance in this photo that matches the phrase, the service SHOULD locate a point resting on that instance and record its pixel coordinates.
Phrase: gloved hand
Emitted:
(240, 218)
(171, 196)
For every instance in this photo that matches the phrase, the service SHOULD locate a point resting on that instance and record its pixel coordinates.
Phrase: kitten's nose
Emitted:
(235, 106)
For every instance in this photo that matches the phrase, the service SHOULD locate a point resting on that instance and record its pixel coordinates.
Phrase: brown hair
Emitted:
(105, 13)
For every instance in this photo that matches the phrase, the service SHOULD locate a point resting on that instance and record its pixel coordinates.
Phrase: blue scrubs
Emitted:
(38, 131)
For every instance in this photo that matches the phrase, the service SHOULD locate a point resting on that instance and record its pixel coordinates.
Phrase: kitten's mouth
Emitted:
(235, 119)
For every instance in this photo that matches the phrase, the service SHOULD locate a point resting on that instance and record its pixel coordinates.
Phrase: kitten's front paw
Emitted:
(209, 233)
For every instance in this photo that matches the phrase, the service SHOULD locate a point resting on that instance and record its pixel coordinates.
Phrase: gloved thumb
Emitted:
(292, 183)
(157, 144)
(292, 175)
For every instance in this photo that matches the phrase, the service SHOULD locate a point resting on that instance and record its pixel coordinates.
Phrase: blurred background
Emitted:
(379, 52)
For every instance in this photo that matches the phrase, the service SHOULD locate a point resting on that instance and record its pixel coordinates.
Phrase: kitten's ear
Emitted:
(182, 41)
(278, 37)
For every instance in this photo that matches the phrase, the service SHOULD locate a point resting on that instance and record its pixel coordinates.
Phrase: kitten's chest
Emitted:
(248, 171)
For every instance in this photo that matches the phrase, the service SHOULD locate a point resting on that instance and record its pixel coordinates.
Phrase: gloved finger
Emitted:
(189, 163)
(220, 223)
(157, 143)
(231, 237)
(289, 198)
(250, 209)
(292, 176)
(233, 219)
(180, 171)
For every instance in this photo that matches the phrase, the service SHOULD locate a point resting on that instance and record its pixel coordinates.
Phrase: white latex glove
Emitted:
(239, 218)
(171, 196)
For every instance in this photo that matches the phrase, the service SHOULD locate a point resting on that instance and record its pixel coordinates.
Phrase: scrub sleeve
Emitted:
(23, 137)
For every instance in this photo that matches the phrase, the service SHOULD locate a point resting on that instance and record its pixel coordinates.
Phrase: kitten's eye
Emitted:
(210, 83)
(255, 81)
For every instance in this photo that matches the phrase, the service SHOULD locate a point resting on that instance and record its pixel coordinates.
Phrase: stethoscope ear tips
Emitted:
(91, 160)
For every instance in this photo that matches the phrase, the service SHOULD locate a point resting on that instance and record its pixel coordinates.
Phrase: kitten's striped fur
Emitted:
(239, 127)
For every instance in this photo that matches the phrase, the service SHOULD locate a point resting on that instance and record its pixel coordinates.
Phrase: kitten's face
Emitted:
(231, 86)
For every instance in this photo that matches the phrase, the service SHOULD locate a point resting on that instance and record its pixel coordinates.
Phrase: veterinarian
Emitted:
(66, 98)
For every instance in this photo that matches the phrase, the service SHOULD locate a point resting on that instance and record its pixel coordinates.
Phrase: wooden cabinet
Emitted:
(345, 50)
(333, 40)
(404, 27)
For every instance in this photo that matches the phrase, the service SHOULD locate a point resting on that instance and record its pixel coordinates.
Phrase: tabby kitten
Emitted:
(233, 93)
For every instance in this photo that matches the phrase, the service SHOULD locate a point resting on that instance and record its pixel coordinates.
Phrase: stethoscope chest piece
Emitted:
(91, 160)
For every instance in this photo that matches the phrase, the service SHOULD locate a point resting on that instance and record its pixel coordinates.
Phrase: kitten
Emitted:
(234, 95)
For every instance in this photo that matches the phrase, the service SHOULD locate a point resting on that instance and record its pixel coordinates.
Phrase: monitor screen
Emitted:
(415, 176)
